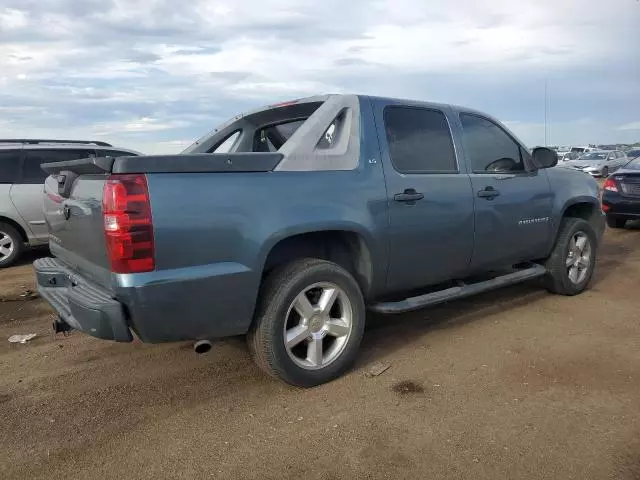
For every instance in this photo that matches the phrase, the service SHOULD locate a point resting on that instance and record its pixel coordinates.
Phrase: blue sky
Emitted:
(156, 74)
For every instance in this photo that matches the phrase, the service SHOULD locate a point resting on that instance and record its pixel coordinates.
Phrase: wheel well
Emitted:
(347, 249)
(17, 226)
(581, 210)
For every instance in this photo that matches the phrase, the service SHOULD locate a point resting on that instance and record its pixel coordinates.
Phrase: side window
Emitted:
(271, 138)
(611, 156)
(31, 171)
(419, 140)
(333, 133)
(9, 165)
(488, 147)
(228, 143)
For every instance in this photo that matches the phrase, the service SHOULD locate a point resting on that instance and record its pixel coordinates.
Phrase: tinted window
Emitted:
(9, 164)
(271, 138)
(489, 147)
(31, 171)
(419, 140)
(633, 164)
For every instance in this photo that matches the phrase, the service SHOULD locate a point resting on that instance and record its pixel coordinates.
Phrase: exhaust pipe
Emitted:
(202, 346)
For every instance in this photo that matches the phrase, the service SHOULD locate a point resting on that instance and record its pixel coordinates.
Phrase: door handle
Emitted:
(488, 193)
(409, 195)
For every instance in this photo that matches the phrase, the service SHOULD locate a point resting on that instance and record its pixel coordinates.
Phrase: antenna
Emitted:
(546, 108)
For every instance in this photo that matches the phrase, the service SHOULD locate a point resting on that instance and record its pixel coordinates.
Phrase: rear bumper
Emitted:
(79, 303)
(620, 206)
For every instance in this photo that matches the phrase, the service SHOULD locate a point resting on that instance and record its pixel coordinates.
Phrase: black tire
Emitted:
(605, 172)
(557, 279)
(9, 232)
(279, 290)
(616, 222)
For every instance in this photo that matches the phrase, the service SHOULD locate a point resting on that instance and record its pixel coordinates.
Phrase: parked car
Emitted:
(581, 150)
(320, 207)
(632, 154)
(22, 221)
(567, 156)
(599, 163)
(621, 195)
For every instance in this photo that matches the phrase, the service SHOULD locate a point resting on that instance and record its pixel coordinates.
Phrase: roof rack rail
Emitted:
(48, 140)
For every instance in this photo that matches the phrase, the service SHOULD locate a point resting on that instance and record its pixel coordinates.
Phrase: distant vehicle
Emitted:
(567, 156)
(22, 221)
(317, 208)
(632, 154)
(599, 163)
(583, 149)
(621, 195)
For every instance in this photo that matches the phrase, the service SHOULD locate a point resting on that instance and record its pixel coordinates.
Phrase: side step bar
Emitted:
(463, 290)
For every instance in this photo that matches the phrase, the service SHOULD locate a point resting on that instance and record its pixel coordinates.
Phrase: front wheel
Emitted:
(605, 172)
(309, 323)
(572, 262)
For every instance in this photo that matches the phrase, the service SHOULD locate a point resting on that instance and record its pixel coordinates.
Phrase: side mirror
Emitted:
(544, 157)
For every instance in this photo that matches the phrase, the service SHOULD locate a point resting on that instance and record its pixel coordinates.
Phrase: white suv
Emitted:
(21, 178)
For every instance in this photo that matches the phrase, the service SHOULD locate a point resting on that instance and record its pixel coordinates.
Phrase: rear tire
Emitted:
(616, 222)
(316, 346)
(572, 261)
(11, 245)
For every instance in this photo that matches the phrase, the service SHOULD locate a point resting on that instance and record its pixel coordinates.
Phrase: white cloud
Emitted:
(630, 126)
(146, 71)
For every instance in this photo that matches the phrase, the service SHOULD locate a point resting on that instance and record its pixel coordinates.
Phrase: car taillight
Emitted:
(610, 185)
(128, 227)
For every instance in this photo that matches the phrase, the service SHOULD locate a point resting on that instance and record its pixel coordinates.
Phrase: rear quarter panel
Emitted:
(8, 209)
(213, 233)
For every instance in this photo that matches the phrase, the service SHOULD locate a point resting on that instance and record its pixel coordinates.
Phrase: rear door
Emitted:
(512, 203)
(27, 193)
(429, 196)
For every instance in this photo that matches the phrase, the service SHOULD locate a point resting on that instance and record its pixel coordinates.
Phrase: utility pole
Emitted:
(546, 113)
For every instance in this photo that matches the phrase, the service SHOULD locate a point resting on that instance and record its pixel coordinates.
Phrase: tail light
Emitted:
(128, 227)
(610, 185)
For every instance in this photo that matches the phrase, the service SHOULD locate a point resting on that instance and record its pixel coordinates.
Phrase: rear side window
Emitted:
(31, 171)
(488, 147)
(9, 165)
(419, 140)
(273, 137)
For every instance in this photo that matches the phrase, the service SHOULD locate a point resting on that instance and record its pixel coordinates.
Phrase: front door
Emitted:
(429, 197)
(513, 203)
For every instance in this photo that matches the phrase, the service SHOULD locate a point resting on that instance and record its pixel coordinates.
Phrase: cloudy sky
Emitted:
(156, 74)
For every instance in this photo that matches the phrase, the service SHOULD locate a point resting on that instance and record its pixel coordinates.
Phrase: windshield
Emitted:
(593, 156)
(577, 149)
(633, 153)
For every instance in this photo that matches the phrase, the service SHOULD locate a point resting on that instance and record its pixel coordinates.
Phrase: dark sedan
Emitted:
(621, 195)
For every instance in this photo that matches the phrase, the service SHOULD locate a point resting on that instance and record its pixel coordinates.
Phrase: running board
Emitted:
(463, 290)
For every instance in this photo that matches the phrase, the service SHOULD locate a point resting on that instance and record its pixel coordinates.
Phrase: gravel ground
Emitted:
(516, 383)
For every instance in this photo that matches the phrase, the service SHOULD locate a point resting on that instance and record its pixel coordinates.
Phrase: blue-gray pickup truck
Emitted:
(287, 223)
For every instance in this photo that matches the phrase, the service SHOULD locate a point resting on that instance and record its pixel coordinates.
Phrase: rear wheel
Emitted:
(616, 222)
(11, 245)
(572, 262)
(309, 323)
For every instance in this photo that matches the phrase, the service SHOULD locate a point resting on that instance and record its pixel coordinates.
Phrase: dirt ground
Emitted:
(513, 384)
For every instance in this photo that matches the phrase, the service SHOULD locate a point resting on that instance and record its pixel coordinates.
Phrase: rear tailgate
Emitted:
(73, 212)
(73, 199)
